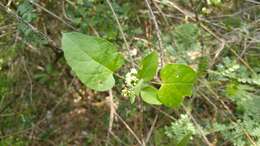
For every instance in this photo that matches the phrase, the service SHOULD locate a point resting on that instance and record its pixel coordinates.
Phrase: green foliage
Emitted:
(183, 43)
(245, 99)
(232, 22)
(148, 67)
(177, 82)
(92, 59)
(38, 96)
(242, 91)
(186, 37)
(147, 72)
(132, 85)
(181, 130)
(28, 15)
(232, 70)
(203, 66)
(185, 140)
(11, 141)
(44, 76)
(6, 55)
(247, 110)
(27, 12)
(160, 139)
(4, 84)
(235, 133)
(96, 14)
(214, 2)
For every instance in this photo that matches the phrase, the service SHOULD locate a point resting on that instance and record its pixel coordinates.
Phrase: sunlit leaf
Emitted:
(92, 59)
(148, 67)
(149, 95)
(177, 82)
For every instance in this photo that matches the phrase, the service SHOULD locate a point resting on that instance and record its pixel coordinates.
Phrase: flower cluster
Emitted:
(130, 82)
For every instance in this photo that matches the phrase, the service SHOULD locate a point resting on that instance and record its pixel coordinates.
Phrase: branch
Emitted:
(158, 32)
(122, 33)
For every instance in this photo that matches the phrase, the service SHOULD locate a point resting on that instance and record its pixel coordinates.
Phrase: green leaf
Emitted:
(92, 59)
(149, 95)
(138, 87)
(177, 82)
(148, 67)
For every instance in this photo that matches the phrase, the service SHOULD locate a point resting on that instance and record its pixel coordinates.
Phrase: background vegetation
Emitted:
(43, 103)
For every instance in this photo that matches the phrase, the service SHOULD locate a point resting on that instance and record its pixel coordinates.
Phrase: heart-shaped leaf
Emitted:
(149, 94)
(148, 67)
(177, 82)
(92, 59)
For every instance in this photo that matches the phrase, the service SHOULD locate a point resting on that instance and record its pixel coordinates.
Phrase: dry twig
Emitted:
(122, 33)
(158, 32)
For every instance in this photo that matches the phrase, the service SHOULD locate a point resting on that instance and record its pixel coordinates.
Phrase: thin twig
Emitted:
(117, 138)
(229, 111)
(254, 2)
(163, 112)
(192, 16)
(158, 32)
(186, 12)
(122, 33)
(202, 133)
(52, 14)
(243, 61)
(51, 42)
(29, 77)
(128, 128)
(112, 112)
(161, 12)
(151, 129)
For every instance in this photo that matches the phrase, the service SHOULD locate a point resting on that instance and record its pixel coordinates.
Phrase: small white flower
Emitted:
(133, 52)
(49, 115)
(131, 78)
(133, 71)
(130, 82)
(125, 92)
(194, 54)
